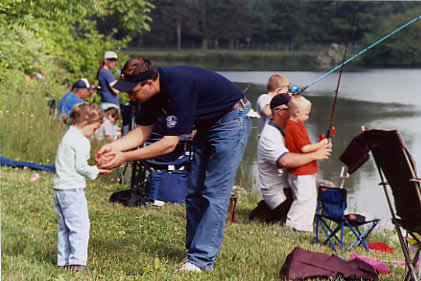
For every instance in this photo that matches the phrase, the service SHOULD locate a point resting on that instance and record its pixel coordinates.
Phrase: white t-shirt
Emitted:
(262, 101)
(272, 178)
(106, 129)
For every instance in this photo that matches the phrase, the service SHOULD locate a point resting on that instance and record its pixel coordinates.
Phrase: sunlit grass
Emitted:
(125, 243)
(139, 243)
(28, 131)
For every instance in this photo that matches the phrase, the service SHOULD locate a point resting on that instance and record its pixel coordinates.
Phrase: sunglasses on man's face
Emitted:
(280, 108)
(133, 93)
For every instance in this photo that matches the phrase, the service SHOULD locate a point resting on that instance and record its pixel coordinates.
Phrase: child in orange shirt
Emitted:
(302, 180)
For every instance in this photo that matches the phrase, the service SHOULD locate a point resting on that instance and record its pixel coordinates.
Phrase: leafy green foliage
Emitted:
(37, 34)
(399, 49)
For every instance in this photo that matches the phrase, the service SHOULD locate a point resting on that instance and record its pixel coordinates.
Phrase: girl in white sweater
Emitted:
(69, 187)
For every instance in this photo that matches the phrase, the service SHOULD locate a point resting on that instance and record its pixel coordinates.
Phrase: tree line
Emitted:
(285, 25)
(68, 37)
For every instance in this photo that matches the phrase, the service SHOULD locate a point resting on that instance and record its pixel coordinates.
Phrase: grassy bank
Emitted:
(231, 59)
(28, 132)
(139, 243)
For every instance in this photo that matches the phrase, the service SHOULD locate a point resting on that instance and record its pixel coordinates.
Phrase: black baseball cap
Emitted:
(82, 84)
(127, 82)
(281, 99)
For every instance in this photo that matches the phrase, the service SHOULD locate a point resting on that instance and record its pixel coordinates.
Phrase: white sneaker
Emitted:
(183, 261)
(190, 268)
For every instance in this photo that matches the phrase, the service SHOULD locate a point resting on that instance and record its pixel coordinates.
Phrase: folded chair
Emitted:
(164, 178)
(128, 124)
(397, 172)
(331, 205)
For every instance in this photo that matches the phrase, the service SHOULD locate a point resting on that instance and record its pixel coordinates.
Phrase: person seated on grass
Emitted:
(106, 131)
(69, 187)
(81, 91)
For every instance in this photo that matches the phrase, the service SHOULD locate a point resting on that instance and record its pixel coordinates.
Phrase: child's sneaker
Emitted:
(80, 268)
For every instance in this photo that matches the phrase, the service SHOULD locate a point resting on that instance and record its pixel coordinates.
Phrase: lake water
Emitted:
(377, 99)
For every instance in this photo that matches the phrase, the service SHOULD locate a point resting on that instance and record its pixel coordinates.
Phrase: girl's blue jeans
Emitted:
(73, 229)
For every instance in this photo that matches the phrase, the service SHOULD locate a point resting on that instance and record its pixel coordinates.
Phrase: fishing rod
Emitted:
(299, 91)
(330, 128)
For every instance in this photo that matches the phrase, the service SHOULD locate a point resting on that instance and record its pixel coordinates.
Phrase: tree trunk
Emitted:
(178, 35)
(231, 44)
(205, 44)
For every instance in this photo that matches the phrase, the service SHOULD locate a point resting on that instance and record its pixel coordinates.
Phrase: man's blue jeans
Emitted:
(73, 230)
(219, 148)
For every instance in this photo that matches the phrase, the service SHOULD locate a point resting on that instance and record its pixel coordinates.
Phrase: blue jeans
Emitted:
(219, 148)
(73, 229)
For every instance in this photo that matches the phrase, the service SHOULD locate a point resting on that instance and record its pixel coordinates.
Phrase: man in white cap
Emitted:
(109, 95)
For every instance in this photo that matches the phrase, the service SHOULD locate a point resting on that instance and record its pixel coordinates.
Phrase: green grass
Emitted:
(139, 243)
(125, 243)
(28, 132)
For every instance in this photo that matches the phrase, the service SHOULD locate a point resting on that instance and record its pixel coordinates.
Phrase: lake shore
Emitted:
(222, 59)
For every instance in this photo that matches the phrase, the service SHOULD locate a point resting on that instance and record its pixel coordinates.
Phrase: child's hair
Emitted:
(297, 102)
(113, 112)
(91, 113)
(277, 81)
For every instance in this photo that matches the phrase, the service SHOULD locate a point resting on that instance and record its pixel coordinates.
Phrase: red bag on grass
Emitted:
(301, 264)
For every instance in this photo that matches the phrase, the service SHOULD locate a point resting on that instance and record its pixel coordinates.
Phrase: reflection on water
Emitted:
(398, 107)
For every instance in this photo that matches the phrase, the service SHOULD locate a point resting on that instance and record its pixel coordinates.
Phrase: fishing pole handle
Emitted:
(322, 137)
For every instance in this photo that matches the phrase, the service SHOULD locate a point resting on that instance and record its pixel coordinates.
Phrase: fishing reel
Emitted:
(293, 89)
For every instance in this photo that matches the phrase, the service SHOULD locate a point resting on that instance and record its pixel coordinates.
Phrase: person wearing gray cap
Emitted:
(109, 95)
(273, 160)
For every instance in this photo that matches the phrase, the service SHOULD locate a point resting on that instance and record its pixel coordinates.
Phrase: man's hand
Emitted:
(113, 160)
(100, 156)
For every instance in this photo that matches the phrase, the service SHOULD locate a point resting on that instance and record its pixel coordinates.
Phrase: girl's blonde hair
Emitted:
(91, 113)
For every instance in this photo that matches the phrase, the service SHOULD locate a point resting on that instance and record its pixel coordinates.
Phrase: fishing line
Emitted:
(354, 25)
(357, 55)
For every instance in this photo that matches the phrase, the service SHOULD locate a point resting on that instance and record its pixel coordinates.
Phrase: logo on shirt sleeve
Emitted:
(171, 121)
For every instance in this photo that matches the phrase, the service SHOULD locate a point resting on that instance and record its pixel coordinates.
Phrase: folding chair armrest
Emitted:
(415, 179)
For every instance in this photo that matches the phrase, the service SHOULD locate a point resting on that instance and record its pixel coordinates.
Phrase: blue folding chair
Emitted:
(331, 205)
(164, 178)
(128, 124)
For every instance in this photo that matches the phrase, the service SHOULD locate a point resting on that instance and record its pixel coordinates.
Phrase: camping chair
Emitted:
(331, 205)
(128, 124)
(164, 178)
(397, 171)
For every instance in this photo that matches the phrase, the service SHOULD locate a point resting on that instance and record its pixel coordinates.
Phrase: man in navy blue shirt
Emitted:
(188, 96)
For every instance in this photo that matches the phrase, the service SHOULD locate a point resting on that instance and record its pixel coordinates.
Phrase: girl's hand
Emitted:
(104, 171)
